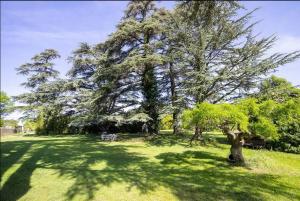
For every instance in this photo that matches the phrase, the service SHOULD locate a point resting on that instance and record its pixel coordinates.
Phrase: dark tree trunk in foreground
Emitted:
(175, 123)
(174, 99)
(149, 84)
(236, 142)
(197, 135)
(151, 92)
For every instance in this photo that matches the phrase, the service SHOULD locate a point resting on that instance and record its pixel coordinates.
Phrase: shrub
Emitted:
(166, 122)
(287, 121)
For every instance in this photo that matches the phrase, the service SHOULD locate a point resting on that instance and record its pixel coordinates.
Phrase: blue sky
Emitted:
(28, 28)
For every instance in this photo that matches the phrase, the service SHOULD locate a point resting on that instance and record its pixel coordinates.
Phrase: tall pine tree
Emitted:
(223, 57)
(134, 60)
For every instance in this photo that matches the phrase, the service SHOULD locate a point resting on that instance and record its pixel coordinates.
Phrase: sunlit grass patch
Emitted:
(85, 168)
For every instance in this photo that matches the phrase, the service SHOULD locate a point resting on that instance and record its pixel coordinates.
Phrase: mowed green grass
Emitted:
(84, 168)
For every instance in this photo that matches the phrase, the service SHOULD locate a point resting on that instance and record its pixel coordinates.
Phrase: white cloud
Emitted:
(286, 44)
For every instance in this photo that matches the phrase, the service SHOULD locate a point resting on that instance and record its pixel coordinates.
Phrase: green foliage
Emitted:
(212, 116)
(4, 101)
(277, 89)
(139, 117)
(249, 106)
(44, 98)
(5, 104)
(130, 64)
(10, 123)
(51, 122)
(40, 121)
(161, 61)
(77, 96)
(40, 70)
(287, 120)
(30, 125)
(231, 115)
(247, 116)
(279, 102)
(224, 58)
(264, 127)
(166, 122)
(204, 115)
(260, 117)
(279, 122)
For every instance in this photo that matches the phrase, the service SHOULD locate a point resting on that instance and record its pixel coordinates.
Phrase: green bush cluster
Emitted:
(277, 123)
(166, 122)
(287, 120)
(51, 122)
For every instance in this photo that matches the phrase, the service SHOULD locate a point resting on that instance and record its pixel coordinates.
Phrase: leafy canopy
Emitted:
(246, 116)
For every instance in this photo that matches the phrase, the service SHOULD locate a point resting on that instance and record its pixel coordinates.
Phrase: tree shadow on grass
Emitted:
(199, 175)
(19, 182)
(11, 152)
(191, 175)
(168, 140)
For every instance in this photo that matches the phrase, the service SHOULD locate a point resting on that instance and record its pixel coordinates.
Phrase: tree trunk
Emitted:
(236, 142)
(197, 135)
(236, 154)
(174, 99)
(150, 92)
(175, 123)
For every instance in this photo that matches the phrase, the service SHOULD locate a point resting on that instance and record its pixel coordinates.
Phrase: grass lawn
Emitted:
(84, 168)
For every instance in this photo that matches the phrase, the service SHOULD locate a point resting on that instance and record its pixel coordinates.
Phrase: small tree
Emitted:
(260, 117)
(30, 125)
(245, 118)
(5, 106)
(287, 120)
(234, 124)
(284, 97)
(166, 122)
(10, 122)
(277, 89)
(203, 118)
(42, 100)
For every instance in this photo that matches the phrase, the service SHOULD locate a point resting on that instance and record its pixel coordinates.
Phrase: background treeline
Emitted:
(155, 65)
